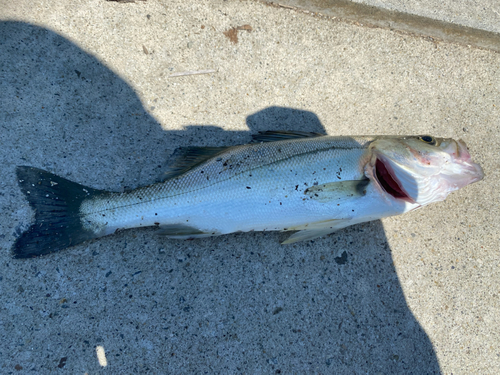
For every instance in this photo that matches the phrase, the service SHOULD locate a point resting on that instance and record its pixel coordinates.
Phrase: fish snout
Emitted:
(463, 169)
(470, 167)
(473, 171)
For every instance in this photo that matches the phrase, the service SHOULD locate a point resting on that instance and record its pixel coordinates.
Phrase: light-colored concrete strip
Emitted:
(372, 16)
(484, 15)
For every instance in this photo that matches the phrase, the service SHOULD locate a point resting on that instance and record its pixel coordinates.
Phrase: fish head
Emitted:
(421, 169)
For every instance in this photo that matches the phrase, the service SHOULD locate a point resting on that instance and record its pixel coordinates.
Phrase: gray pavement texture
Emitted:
(86, 93)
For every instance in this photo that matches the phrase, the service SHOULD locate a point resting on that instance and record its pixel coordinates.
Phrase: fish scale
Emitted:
(253, 187)
(290, 181)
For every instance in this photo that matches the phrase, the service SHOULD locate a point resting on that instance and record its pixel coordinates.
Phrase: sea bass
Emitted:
(284, 181)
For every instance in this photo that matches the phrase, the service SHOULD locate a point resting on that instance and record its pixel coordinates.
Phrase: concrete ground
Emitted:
(86, 92)
(483, 15)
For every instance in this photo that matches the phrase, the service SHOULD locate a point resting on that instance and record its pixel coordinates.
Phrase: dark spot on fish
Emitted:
(315, 183)
(279, 149)
(248, 187)
(340, 178)
(305, 183)
(157, 223)
(225, 164)
(249, 175)
(296, 187)
(103, 215)
(340, 169)
(281, 204)
(156, 214)
(316, 195)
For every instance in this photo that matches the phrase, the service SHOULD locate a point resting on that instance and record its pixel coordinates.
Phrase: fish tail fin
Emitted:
(56, 202)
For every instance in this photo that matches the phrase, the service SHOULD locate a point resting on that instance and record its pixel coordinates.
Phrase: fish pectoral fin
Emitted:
(306, 234)
(185, 158)
(182, 231)
(278, 135)
(337, 191)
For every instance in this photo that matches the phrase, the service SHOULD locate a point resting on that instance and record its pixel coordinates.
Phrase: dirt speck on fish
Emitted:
(284, 181)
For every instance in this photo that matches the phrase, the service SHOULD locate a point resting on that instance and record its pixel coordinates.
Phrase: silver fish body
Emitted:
(295, 182)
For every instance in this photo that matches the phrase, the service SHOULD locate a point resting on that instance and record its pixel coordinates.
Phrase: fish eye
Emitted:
(428, 139)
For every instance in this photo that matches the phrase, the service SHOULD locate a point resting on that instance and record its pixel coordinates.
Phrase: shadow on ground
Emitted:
(238, 303)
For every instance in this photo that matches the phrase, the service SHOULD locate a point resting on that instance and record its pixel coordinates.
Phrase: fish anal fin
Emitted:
(185, 158)
(280, 135)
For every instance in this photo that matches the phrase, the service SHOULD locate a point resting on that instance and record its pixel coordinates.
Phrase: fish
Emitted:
(308, 183)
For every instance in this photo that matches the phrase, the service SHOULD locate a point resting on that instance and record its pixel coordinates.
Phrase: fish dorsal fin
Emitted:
(185, 158)
(337, 191)
(280, 135)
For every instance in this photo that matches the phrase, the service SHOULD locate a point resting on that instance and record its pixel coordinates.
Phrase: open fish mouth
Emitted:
(389, 182)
